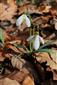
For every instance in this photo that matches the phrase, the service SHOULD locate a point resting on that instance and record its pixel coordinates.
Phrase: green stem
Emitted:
(33, 31)
(30, 36)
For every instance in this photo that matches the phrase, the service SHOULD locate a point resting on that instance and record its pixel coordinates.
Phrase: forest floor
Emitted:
(16, 66)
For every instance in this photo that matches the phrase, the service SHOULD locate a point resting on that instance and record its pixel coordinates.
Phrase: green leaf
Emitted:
(18, 45)
(19, 2)
(46, 44)
(1, 36)
(43, 50)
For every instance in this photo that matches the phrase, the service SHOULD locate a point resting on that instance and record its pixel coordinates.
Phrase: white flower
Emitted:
(36, 41)
(23, 18)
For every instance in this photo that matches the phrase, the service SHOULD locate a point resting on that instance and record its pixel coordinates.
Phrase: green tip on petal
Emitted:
(36, 33)
(23, 18)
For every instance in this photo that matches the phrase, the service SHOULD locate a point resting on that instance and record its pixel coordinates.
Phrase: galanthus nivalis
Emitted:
(36, 40)
(23, 18)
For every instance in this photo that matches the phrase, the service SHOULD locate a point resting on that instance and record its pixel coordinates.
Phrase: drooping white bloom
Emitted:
(23, 18)
(36, 41)
(41, 39)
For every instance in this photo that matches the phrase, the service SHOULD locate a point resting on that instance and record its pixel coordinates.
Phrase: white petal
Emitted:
(23, 18)
(19, 21)
(41, 39)
(30, 38)
(28, 23)
(36, 43)
(56, 25)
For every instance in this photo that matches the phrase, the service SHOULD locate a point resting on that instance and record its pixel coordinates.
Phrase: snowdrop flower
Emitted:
(23, 18)
(36, 39)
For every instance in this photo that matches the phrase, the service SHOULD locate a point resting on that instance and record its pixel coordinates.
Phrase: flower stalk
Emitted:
(30, 44)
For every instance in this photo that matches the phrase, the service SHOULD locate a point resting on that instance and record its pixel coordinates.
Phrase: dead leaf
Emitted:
(28, 81)
(7, 11)
(12, 48)
(43, 57)
(8, 81)
(17, 62)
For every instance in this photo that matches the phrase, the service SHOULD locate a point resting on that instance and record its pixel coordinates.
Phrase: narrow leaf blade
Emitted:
(1, 36)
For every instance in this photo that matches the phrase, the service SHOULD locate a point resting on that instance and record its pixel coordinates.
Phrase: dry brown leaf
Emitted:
(42, 57)
(8, 11)
(53, 12)
(28, 81)
(1, 56)
(30, 8)
(17, 62)
(10, 2)
(15, 41)
(6, 36)
(8, 81)
(44, 9)
(19, 75)
(2, 7)
(12, 48)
